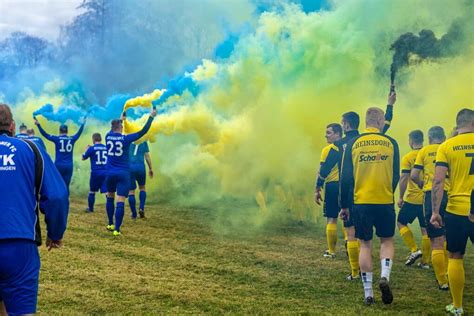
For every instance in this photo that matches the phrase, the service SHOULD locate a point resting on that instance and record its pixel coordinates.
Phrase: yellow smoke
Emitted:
(145, 100)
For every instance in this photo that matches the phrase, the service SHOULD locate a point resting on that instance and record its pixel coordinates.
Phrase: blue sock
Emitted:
(133, 205)
(119, 213)
(142, 200)
(110, 207)
(91, 201)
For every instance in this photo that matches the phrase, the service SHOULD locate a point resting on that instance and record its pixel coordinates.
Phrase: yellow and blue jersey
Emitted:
(413, 193)
(457, 154)
(426, 161)
(333, 176)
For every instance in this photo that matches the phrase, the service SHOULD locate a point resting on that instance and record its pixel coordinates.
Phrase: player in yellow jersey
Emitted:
(457, 156)
(331, 190)
(371, 165)
(425, 162)
(411, 205)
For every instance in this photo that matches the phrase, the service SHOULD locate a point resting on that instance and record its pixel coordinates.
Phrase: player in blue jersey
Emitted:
(138, 155)
(35, 139)
(22, 132)
(118, 169)
(64, 149)
(31, 177)
(97, 153)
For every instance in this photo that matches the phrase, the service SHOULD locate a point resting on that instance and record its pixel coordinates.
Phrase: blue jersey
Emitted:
(18, 203)
(38, 142)
(64, 145)
(118, 148)
(22, 136)
(98, 157)
(137, 156)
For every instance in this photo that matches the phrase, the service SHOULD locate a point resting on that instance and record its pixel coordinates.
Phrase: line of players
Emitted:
(359, 174)
(116, 166)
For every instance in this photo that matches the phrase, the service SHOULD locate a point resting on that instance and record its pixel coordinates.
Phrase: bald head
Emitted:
(6, 118)
(375, 117)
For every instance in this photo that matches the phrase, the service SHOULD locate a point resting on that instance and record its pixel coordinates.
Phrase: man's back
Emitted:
(98, 157)
(137, 155)
(118, 147)
(426, 161)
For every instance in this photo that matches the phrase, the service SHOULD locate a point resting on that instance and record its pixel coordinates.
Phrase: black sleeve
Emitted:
(327, 166)
(346, 178)
(396, 164)
(388, 118)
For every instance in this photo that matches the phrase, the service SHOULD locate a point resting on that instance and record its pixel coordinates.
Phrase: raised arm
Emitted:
(51, 138)
(79, 132)
(136, 136)
(392, 98)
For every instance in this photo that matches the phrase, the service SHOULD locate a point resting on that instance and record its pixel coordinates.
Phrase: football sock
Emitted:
(386, 265)
(446, 257)
(91, 201)
(408, 238)
(109, 206)
(119, 213)
(367, 282)
(456, 280)
(133, 205)
(142, 200)
(331, 236)
(426, 247)
(439, 266)
(353, 252)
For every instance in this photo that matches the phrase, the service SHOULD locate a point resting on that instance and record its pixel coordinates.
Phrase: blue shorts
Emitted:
(137, 176)
(118, 182)
(19, 273)
(97, 182)
(66, 173)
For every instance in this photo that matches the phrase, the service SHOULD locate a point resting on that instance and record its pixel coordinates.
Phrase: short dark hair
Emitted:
(416, 136)
(6, 117)
(351, 118)
(30, 132)
(23, 127)
(63, 128)
(436, 132)
(336, 128)
(464, 118)
(96, 137)
(115, 124)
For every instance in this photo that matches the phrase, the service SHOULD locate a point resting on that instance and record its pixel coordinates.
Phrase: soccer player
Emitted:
(425, 162)
(138, 155)
(371, 164)
(118, 169)
(25, 169)
(64, 149)
(22, 131)
(350, 125)
(97, 153)
(331, 191)
(38, 141)
(411, 205)
(456, 155)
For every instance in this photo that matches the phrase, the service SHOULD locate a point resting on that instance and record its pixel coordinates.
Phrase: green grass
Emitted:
(175, 262)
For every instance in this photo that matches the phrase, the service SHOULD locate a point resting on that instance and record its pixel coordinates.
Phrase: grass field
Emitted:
(174, 262)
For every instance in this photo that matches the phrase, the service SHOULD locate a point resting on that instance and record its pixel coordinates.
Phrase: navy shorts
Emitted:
(97, 182)
(19, 273)
(432, 231)
(137, 176)
(458, 230)
(331, 200)
(409, 212)
(380, 216)
(66, 173)
(118, 182)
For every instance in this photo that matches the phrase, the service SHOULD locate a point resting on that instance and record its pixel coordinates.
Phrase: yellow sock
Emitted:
(344, 232)
(456, 280)
(408, 238)
(439, 266)
(446, 258)
(261, 200)
(426, 248)
(353, 252)
(331, 236)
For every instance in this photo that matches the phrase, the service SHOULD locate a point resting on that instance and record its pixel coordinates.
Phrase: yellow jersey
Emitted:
(371, 163)
(457, 154)
(426, 161)
(334, 174)
(413, 193)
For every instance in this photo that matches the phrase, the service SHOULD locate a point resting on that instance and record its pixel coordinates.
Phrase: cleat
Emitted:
(141, 213)
(350, 277)
(117, 233)
(387, 296)
(134, 218)
(327, 254)
(110, 228)
(413, 257)
(422, 265)
(369, 300)
(454, 311)
(444, 287)
(87, 210)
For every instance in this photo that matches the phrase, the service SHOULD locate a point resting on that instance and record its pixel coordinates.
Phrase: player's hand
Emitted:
(400, 202)
(87, 147)
(153, 113)
(123, 117)
(471, 217)
(344, 214)
(150, 173)
(36, 121)
(436, 220)
(318, 196)
(51, 244)
(392, 98)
